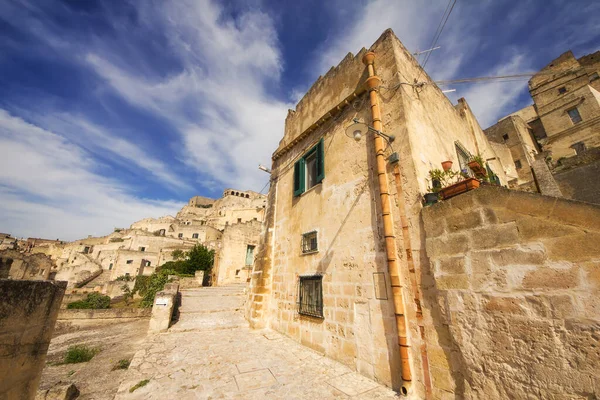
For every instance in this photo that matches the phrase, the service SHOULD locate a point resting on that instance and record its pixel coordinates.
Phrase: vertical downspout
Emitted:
(390, 240)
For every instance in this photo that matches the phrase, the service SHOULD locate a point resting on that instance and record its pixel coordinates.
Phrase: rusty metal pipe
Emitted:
(390, 239)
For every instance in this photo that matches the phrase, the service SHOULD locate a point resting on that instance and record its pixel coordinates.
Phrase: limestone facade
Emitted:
(16, 265)
(238, 247)
(563, 122)
(148, 243)
(515, 284)
(341, 213)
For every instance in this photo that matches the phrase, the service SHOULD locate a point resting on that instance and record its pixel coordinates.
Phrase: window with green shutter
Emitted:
(310, 169)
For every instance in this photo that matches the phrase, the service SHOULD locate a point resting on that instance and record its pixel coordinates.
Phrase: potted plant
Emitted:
(446, 165)
(477, 165)
(452, 183)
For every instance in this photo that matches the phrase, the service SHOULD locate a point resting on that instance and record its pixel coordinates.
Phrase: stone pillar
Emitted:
(199, 277)
(162, 310)
(28, 312)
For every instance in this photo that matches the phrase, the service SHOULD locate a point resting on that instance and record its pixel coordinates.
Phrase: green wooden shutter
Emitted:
(299, 177)
(320, 161)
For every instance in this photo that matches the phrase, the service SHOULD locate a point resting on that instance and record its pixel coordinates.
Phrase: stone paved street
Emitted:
(210, 353)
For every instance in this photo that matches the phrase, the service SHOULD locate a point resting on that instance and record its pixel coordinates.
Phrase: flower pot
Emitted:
(458, 188)
(431, 198)
(477, 168)
(446, 165)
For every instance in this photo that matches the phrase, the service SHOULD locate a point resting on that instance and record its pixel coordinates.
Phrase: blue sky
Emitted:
(112, 111)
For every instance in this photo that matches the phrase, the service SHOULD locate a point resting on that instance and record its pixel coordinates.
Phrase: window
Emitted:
(194, 236)
(180, 235)
(129, 261)
(86, 250)
(579, 147)
(574, 115)
(239, 220)
(463, 158)
(250, 254)
(518, 164)
(161, 232)
(126, 273)
(309, 170)
(309, 242)
(148, 263)
(142, 248)
(562, 90)
(594, 76)
(505, 137)
(110, 266)
(310, 296)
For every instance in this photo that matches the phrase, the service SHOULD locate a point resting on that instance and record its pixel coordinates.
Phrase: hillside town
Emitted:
(402, 250)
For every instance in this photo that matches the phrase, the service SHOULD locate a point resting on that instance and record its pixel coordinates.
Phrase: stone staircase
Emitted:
(99, 280)
(211, 308)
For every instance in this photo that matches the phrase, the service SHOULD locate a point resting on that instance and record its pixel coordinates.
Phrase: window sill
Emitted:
(302, 314)
(309, 190)
(309, 253)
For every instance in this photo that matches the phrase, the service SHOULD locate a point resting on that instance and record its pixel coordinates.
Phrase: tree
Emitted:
(200, 258)
(178, 254)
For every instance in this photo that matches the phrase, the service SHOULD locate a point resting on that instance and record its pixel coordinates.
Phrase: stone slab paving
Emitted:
(228, 360)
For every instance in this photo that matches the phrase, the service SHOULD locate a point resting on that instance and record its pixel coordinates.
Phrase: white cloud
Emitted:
(49, 187)
(100, 141)
(218, 101)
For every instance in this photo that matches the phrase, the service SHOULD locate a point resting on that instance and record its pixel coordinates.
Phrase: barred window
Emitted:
(310, 296)
(309, 242)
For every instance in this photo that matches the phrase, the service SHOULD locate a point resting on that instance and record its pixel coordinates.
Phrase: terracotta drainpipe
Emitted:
(390, 240)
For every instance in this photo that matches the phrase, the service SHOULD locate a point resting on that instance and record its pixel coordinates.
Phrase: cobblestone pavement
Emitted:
(210, 353)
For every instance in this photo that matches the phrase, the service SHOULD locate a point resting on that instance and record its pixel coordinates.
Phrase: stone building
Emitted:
(228, 225)
(322, 275)
(563, 122)
(347, 267)
(16, 265)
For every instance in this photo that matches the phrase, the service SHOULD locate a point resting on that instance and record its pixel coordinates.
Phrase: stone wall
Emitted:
(515, 295)
(15, 265)
(231, 266)
(28, 311)
(101, 317)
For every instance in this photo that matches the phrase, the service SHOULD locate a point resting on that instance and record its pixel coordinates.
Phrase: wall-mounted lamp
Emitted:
(358, 129)
(263, 168)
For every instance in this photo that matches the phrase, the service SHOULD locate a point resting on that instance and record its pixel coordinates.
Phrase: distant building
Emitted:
(563, 122)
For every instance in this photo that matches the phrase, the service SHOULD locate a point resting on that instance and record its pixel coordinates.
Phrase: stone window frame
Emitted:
(575, 116)
(307, 245)
(310, 295)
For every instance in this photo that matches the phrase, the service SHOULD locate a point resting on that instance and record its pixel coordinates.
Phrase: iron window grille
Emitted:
(309, 242)
(310, 296)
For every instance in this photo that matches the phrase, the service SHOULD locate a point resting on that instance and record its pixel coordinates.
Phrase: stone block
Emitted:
(578, 214)
(452, 265)
(491, 196)
(530, 204)
(480, 262)
(533, 255)
(467, 220)
(452, 282)
(549, 278)
(450, 245)
(493, 281)
(434, 223)
(493, 236)
(442, 379)
(506, 305)
(438, 357)
(574, 248)
(489, 216)
(534, 228)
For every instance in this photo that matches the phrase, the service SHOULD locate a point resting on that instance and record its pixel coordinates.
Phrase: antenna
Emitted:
(416, 53)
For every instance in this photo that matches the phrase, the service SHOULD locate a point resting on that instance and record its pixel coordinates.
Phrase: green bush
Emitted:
(156, 283)
(122, 364)
(92, 301)
(79, 354)
(124, 278)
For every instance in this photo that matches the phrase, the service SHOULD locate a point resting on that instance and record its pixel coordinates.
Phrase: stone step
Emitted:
(209, 321)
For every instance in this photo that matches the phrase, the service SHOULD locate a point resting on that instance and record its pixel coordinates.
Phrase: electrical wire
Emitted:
(436, 37)
(524, 75)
